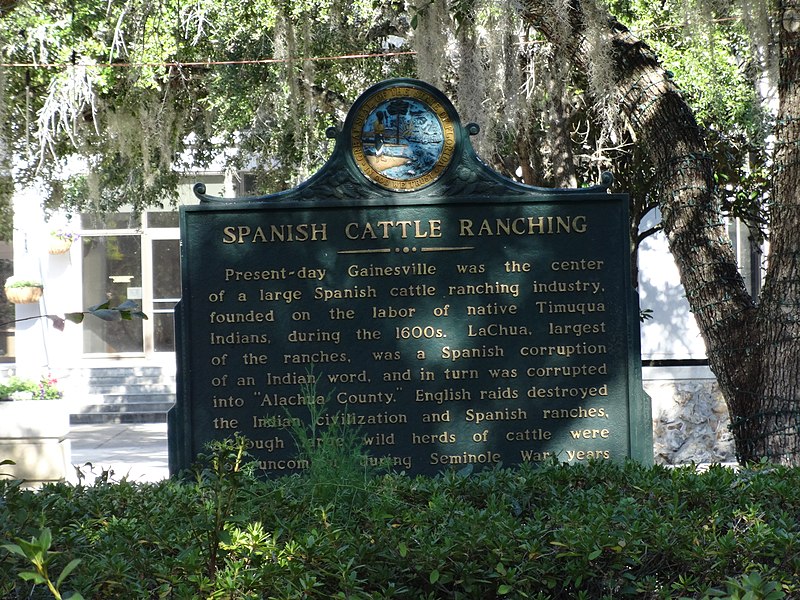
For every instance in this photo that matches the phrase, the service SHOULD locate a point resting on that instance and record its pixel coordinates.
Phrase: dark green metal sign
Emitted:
(445, 314)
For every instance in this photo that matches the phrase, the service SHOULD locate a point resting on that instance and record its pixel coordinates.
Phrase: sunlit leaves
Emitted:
(152, 90)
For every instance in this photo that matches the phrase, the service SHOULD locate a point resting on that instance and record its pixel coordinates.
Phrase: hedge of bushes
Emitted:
(560, 531)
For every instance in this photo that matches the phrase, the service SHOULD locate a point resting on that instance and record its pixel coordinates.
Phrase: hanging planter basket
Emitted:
(59, 246)
(61, 241)
(24, 294)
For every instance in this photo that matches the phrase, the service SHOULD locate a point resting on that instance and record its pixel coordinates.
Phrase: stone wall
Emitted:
(690, 419)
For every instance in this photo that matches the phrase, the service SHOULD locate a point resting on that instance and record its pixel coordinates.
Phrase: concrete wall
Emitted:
(690, 419)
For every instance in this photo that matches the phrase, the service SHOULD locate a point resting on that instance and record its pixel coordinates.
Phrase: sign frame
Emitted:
(456, 186)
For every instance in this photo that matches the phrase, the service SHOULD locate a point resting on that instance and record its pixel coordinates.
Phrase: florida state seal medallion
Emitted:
(403, 138)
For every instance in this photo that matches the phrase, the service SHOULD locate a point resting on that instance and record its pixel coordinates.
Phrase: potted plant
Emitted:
(20, 290)
(61, 241)
(17, 388)
(34, 425)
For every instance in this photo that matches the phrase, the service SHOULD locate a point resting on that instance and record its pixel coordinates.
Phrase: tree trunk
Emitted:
(558, 129)
(753, 351)
(771, 428)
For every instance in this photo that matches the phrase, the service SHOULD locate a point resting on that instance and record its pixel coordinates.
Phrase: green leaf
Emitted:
(595, 554)
(45, 538)
(103, 306)
(74, 317)
(67, 570)
(225, 537)
(107, 314)
(14, 549)
(403, 550)
(434, 576)
(30, 550)
(128, 305)
(504, 589)
(34, 577)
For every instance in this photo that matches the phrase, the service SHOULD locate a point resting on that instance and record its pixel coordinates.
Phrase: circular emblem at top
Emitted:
(403, 138)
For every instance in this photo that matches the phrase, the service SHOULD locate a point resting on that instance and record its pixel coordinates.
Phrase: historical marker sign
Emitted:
(448, 315)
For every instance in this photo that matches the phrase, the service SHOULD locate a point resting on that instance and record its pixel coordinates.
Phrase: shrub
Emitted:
(560, 531)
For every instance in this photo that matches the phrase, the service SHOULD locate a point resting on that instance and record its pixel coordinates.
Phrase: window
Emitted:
(129, 262)
(749, 255)
(166, 292)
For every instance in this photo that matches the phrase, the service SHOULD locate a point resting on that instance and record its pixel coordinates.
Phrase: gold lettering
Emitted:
(587, 454)
(300, 232)
(524, 226)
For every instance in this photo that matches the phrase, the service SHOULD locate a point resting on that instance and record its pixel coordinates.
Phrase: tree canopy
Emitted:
(753, 344)
(142, 90)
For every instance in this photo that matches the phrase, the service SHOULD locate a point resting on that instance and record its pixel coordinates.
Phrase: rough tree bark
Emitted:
(558, 128)
(753, 349)
(774, 425)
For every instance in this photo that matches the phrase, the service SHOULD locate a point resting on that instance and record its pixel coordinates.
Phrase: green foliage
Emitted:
(143, 90)
(338, 474)
(37, 553)
(6, 207)
(750, 587)
(560, 531)
(219, 476)
(718, 59)
(44, 389)
(6, 308)
(20, 282)
(126, 311)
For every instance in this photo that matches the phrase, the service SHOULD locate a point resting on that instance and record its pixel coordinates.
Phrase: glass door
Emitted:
(112, 270)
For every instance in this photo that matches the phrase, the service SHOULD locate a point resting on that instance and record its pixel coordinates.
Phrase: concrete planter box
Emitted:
(33, 433)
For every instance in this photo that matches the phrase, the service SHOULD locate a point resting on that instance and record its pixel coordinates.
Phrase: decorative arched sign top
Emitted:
(403, 138)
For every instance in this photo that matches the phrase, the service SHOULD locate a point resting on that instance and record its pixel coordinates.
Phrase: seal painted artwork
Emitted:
(403, 139)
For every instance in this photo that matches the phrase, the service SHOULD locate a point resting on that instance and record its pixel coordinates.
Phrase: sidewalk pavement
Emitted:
(137, 451)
